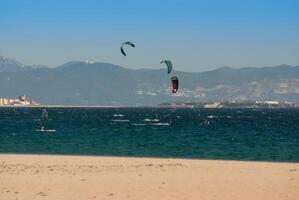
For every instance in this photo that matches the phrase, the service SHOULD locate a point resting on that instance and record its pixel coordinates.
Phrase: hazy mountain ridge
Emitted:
(88, 83)
(7, 64)
(12, 65)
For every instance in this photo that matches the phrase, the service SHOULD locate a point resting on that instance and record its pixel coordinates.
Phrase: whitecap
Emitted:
(160, 124)
(118, 115)
(206, 122)
(151, 120)
(138, 124)
(211, 116)
(50, 130)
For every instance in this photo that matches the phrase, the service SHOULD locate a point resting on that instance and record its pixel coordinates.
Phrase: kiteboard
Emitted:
(45, 130)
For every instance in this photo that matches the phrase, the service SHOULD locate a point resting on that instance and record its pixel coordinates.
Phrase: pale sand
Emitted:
(29, 177)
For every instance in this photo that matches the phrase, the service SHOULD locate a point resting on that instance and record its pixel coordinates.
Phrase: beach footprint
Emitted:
(41, 194)
(110, 194)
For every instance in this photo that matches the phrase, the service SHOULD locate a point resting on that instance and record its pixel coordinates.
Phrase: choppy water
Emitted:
(238, 134)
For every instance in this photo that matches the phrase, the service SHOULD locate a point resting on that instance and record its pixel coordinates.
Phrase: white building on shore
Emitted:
(213, 105)
(21, 101)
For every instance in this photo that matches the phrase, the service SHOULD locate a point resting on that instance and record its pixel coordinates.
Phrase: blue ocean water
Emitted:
(234, 134)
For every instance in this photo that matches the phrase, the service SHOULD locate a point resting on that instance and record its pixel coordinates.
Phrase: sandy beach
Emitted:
(27, 177)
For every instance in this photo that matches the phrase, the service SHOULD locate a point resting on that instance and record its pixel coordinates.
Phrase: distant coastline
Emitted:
(139, 106)
(22, 101)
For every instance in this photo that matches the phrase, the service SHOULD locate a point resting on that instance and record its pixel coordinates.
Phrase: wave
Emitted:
(211, 116)
(151, 120)
(45, 130)
(120, 120)
(138, 124)
(118, 115)
(160, 124)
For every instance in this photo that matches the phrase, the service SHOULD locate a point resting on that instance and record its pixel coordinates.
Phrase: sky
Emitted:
(197, 35)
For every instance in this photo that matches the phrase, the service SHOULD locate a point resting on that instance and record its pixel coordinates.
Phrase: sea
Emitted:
(193, 133)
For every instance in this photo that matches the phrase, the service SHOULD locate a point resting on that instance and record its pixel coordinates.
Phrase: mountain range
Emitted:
(96, 83)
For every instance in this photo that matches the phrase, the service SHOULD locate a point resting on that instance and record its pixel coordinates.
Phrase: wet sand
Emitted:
(28, 177)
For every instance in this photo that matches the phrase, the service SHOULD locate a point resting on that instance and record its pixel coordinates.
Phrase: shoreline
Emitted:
(144, 157)
(85, 106)
(28, 176)
(149, 106)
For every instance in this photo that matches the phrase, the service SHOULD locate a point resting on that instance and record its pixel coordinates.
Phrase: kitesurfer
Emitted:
(174, 84)
(44, 118)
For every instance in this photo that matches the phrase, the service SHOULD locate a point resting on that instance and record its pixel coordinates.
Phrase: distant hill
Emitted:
(11, 65)
(83, 83)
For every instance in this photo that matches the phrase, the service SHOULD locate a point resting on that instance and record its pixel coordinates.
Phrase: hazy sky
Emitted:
(196, 35)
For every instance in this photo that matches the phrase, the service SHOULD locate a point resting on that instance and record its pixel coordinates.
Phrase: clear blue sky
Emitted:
(197, 35)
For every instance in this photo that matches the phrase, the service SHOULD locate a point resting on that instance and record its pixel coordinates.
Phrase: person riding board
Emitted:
(44, 118)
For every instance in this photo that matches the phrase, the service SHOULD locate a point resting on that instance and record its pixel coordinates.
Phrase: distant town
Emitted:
(21, 101)
(233, 104)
